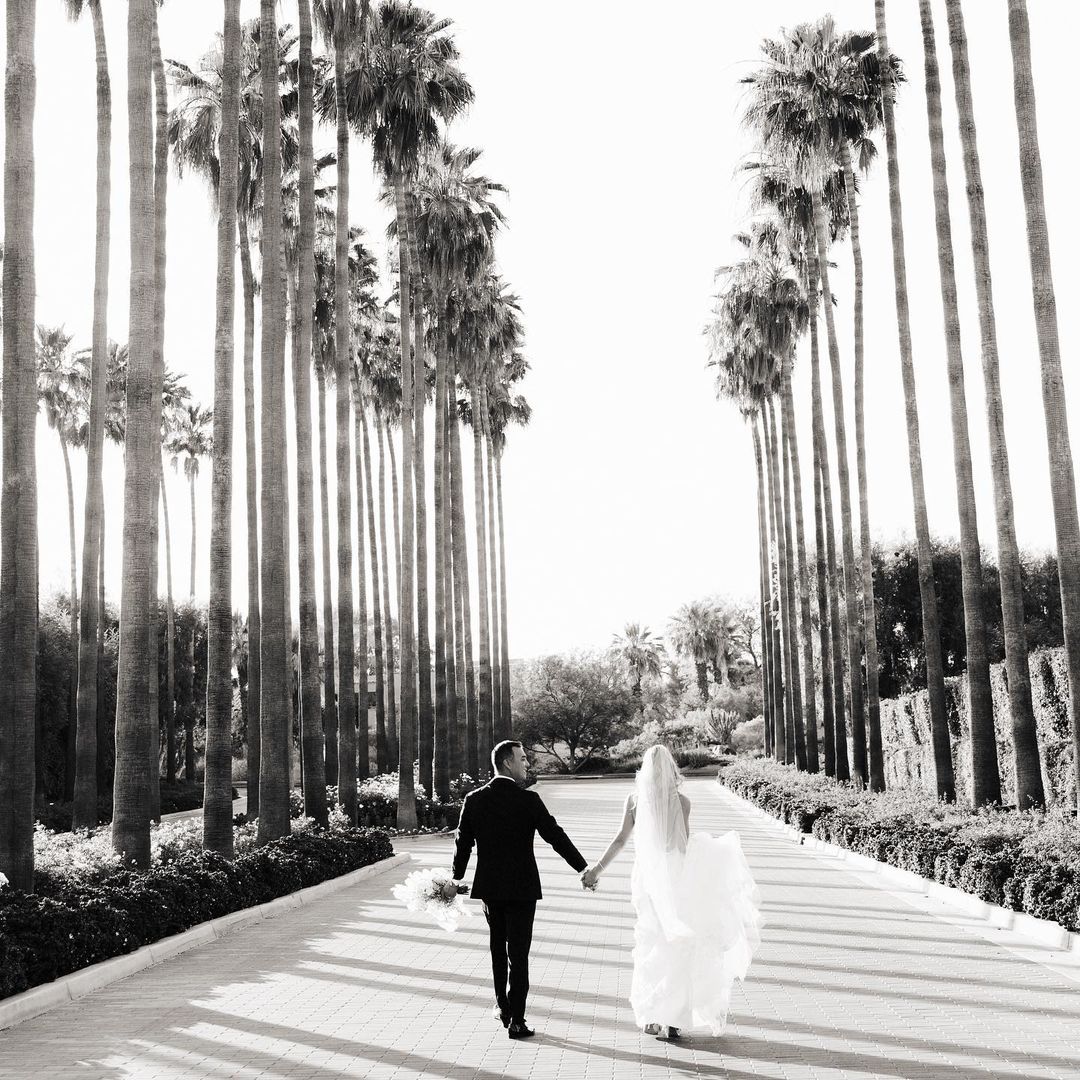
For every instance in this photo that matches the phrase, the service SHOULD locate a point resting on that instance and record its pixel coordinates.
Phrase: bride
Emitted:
(696, 903)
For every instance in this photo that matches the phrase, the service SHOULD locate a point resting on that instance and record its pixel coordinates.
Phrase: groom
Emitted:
(501, 819)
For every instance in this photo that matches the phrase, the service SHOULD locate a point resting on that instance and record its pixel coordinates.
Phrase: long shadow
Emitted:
(833, 1062)
(799, 906)
(243, 1057)
(831, 931)
(911, 999)
(892, 950)
(873, 973)
(788, 1026)
(555, 993)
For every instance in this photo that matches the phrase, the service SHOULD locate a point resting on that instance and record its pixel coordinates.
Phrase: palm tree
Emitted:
(455, 223)
(84, 812)
(217, 794)
(194, 132)
(63, 386)
(640, 653)
(312, 741)
(935, 676)
(324, 373)
(364, 393)
(1029, 784)
(692, 633)
(986, 779)
(18, 505)
(796, 116)
(189, 441)
(274, 686)
(398, 94)
(131, 788)
(1062, 480)
(341, 24)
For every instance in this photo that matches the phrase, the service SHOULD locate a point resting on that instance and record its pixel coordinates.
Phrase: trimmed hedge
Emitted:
(73, 922)
(1028, 861)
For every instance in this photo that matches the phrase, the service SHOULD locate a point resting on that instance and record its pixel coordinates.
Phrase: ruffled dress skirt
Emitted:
(696, 933)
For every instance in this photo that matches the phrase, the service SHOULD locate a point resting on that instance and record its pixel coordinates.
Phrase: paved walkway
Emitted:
(850, 982)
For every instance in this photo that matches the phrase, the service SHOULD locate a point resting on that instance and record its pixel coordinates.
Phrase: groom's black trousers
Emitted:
(510, 928)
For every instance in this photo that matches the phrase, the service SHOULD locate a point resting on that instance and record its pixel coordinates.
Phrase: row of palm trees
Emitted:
(64, 391)
(816, 106)
(245, 120)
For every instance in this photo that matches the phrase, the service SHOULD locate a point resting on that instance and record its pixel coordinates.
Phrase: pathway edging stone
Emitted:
(1043, 931)
(39, 999)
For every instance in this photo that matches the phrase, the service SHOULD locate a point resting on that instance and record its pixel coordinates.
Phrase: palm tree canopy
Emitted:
(63, 384)
(410, 83)
(190, 438)
(640, 652)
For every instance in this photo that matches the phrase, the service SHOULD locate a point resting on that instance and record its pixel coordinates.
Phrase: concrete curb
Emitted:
(1043, 932)
(39, 999)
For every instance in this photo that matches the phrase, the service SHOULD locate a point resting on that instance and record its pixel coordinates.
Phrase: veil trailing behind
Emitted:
(698, 923)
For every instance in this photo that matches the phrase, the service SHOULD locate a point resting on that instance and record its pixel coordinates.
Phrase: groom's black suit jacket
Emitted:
(502, 819)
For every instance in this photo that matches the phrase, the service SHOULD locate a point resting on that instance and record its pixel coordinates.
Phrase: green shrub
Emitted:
(98, 909)
(1028, 861)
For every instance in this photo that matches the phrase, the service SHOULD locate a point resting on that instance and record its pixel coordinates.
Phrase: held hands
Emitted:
(590, 877)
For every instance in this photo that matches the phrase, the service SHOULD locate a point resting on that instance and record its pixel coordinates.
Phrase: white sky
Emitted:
(616, 129)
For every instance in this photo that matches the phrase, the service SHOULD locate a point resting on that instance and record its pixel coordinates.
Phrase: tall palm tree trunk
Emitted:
(425, 706)
(395, 483)
(442, 718)
(499, 731)
(407, 725)
(791, 438)
(217, 784)
(935, 672)
(274, 684)
(131, 786)
(313, 768)
(783, 647)
(84, 811)
(829, 633)
(455, 675)
(388, 611)
(787, 593)
(330, 707)
(382, 755)
(824, 638)
(1029, 782)
(105, 721)
(484, 731)
(73, 633)
(153, 676)
(1062, 480)
(986, 778)
(851, 594)
(504, 651)
(763, 584)
(363, 694)
(170, 639)
(161, 188)
(873, 697)
(796, 728)
(462, 599)
(254, 622)
(345, 653)
(18, 501)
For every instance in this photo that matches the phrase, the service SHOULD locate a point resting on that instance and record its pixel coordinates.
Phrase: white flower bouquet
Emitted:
(433, 893)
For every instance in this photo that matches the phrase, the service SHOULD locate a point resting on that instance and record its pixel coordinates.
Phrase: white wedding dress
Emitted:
(698, 922)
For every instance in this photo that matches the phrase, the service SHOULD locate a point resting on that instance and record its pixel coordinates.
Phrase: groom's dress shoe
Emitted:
(519, 1030)
(501, 1015)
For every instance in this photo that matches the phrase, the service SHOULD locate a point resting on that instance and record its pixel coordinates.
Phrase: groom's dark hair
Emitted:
(502, 753)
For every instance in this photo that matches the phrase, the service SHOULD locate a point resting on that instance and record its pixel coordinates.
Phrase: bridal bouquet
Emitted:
(434, 893)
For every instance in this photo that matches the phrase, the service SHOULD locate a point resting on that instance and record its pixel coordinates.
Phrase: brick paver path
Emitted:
(850, 982)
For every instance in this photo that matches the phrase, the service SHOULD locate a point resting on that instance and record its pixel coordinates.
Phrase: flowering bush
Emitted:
(1025, 860)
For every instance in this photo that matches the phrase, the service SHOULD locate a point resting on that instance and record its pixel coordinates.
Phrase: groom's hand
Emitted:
(589, 878)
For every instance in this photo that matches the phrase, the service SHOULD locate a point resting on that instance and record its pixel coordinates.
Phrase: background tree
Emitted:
(640, 653)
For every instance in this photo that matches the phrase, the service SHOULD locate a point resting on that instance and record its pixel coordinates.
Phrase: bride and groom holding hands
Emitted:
(697, 920)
